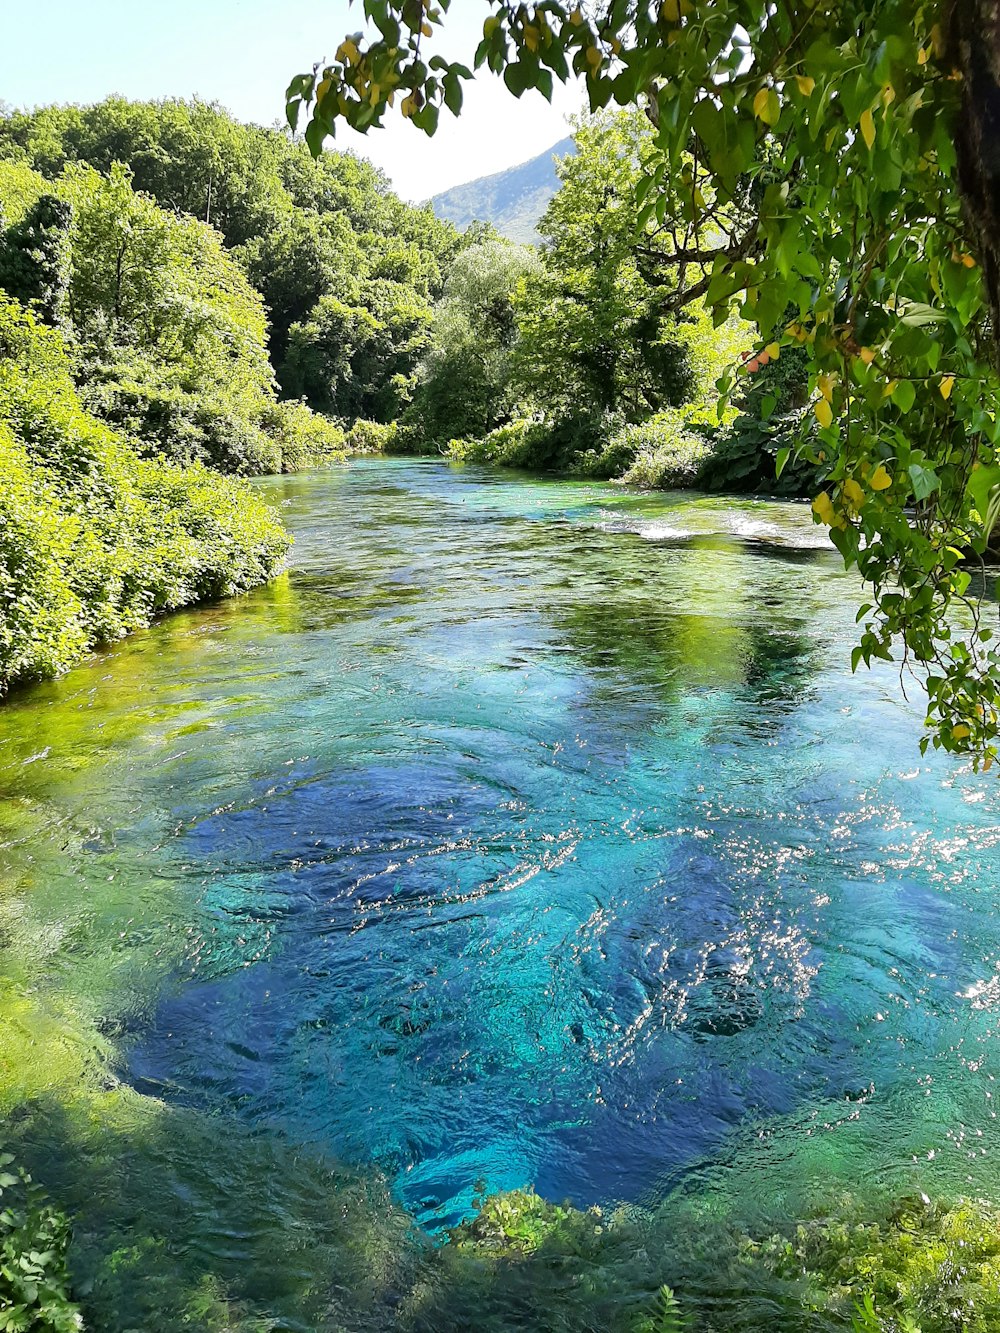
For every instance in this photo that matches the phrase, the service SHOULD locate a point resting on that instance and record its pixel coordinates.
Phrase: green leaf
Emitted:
(904, 395)
(925, 480)
(517, 77)
(982, 488)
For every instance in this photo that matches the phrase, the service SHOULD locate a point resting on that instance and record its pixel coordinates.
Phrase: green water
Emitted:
(525, 832)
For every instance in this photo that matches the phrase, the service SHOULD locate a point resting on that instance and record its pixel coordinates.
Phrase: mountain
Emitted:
(513, 200)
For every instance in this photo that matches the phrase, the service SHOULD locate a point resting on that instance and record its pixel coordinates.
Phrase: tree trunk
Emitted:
(973, 37)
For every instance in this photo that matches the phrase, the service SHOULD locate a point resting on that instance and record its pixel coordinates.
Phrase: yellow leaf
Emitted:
(323, 89)
(576, 18)
(922, 55)
(867, 126)
(823, 411)
(773, 350)
(890, 388)
(937, 40)
(671, 11)
(594, 58)
(805, 84)
(409, 106)
(825, 385)
(946, 386)
(426, 30)
(867, 355)
(492, 23)
(766, 106)
(822, 507)
(347, 52)
(960, 732)
(888, 94)
(968, 261)
(853, 493)
(880, 479)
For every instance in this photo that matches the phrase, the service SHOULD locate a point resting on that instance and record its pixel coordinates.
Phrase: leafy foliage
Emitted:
(356, 358)
(169, 336)
(924, 1268)
(34, 1276)
(581, 367)
(35, 258)
(861, 132)
(308, 234)
(466, 384)
(95, 540)
(594, 334)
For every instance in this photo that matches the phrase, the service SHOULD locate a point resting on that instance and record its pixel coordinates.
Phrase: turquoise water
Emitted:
(526, 832)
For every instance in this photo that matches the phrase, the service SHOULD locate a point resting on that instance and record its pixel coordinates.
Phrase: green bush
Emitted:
(745, 458)
(530, 443)
(304, 437)
(378, 437)
(94, 539)
(523, 443)
(34, 1277)
(170, 338)
(667, 450)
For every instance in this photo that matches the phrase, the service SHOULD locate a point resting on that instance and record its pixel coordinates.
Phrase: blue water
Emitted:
(539, 832)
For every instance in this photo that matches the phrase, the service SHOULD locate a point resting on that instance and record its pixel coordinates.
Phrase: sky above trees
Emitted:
(243, 52)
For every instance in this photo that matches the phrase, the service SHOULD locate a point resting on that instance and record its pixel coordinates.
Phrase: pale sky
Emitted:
(242, 53)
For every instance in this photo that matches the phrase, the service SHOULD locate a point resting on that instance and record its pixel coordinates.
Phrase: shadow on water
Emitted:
(188, 1221)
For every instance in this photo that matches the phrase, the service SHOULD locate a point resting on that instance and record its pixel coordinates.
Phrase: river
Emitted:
(525, 832)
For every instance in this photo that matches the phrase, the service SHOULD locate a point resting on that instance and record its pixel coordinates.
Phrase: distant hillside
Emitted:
(513, 200)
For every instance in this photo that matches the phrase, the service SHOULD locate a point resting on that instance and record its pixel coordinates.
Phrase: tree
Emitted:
(35, 258)
(597, 335)
(307, 256)
(357, 357)
(465, 379)
(302, 229)
(869, 132)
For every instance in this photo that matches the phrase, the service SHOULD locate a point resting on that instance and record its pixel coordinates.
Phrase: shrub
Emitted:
(668, 450)
(745, 459)
(378, 437)
(94, 539)
(518, 444)
(34, 1277)
(304, 437)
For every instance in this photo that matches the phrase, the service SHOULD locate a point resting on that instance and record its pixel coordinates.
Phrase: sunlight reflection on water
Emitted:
(529, 831)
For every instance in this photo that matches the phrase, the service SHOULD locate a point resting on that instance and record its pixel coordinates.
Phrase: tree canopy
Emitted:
(304, 231)
(825, 171)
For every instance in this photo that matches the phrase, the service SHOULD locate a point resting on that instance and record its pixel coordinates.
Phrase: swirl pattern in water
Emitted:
(527, 832)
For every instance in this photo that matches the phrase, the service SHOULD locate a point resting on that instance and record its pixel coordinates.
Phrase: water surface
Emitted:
(525, 832)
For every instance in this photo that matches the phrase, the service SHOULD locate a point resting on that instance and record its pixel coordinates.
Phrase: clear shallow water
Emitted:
(526, 832)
